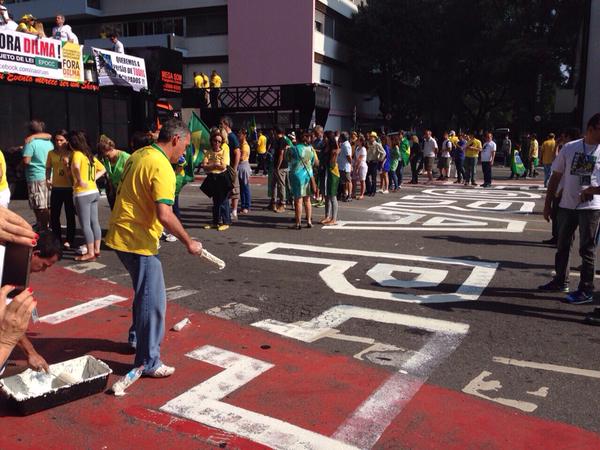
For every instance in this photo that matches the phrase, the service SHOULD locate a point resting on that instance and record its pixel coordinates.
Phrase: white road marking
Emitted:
(203, 404)
(461, 223)
(479, 194)
(549, 367)
(173, 288)
(450, 202)
(426, 277)
(541, 392)
(479, 385)
(85, 267)
(366, 425)
(231, 311)
(181, 293)
(333, 274)
(82, 309)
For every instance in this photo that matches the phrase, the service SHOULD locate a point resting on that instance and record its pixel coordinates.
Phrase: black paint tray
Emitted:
(30, 392)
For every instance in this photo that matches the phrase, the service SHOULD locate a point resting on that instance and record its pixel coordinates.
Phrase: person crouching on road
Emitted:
(143, 206)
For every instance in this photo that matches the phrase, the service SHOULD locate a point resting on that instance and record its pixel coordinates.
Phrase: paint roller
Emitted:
(213, 259)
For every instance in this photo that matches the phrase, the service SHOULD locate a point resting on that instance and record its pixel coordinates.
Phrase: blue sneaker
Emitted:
(579, 297)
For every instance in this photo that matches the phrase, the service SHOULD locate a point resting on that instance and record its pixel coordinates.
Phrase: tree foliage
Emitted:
(464, 63)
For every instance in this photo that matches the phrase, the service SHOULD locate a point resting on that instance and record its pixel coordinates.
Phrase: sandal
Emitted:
(84, 258)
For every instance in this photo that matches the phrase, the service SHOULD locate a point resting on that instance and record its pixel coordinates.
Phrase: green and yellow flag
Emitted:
(200, 142)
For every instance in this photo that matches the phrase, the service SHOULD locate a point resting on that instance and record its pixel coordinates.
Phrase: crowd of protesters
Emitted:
(305, 169)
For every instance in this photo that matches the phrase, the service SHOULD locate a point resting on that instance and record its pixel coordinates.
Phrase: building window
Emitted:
(319, 20)
(206, 24)
(330, 27)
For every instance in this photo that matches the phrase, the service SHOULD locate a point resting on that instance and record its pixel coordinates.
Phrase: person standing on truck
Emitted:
(118, 46)
(215, 87)
(63, 32)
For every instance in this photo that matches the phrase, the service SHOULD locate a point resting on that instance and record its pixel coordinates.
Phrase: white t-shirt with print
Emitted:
(572, 183)
(488, 149)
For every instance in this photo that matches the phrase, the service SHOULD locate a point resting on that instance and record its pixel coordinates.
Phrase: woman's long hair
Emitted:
(78, 141)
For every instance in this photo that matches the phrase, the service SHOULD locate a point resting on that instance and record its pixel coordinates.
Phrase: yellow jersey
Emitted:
(198, 81)
(61, 178)
(148, 178)
(87, 173)
(245, 152)
(216, 81)
(221, 157)
(548, 151)
(261, 145)
(3, 178)
(476, 143)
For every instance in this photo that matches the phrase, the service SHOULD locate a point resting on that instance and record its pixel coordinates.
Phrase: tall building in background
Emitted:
(249, 43)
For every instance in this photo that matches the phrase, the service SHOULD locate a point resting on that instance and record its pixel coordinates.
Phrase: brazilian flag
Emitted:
(517, 164)
(194, 153)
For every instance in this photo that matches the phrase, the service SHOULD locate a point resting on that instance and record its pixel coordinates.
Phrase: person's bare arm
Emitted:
(44, 136)
(35, 361)
(169, 220)
(237, 156)
(551, 193)
(14, 319)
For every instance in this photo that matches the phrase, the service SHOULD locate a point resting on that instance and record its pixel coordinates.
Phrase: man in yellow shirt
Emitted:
(548, 155)
(198, 80)
(143, 206)
(471, 155)
(261, 153)
(534, 149)
(215, 87)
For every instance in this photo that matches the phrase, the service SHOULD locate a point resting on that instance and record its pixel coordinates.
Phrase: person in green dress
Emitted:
(332, 179)
(301, 158)
(114, 162)
(395, 156)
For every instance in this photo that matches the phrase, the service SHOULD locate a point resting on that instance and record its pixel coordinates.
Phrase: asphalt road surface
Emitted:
(415, 322)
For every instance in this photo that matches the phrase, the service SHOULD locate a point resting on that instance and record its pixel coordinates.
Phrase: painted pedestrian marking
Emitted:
(550, 367)
(407, 219)
(479, 385)
(82, 309)
(176, 292)
(366, 425)
(452, 203)
(231, 311)
(478, 194)
(481, 275)
(85, 267)
(203, 404)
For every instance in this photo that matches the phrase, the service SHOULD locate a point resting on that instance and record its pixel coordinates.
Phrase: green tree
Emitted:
(469, 63)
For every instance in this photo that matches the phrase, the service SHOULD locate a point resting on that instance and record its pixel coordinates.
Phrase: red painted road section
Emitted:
(307, 388)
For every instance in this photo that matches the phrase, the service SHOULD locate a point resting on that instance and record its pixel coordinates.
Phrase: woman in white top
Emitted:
(359, 169)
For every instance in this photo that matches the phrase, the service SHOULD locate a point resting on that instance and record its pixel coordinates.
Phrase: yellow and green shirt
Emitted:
(87, 173)
(261, 145)
(473, 153)
(148, 178)
(61, 178)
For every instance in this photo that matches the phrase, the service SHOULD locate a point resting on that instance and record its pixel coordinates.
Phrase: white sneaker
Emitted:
(234, 215)
(162, 371)
(82, 250)
(385, 192)
(170, 238)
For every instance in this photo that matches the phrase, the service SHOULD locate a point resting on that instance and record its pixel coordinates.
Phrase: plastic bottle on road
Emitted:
(132, 376)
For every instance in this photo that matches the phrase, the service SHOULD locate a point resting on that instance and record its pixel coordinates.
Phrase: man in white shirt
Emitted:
(430, 148)
(344, 161)
(577, 170)
(488, 153)
(118, 46)
(63, 32)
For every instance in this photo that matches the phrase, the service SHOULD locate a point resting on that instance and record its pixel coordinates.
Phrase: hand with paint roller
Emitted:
(14, 319)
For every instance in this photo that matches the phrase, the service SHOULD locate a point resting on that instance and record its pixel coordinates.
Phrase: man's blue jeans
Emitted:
(547, 173)
(149, 308)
